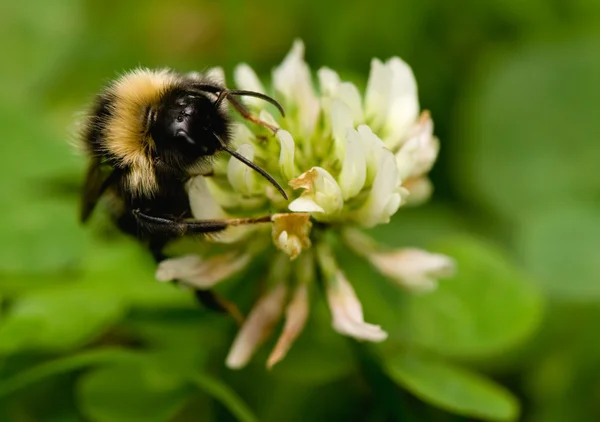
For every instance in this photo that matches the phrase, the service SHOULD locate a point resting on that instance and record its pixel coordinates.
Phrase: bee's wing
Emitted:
(98, 178)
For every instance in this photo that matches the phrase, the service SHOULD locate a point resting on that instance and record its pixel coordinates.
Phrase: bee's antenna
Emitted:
(239, 92)
(222, 95)
(264, 97)
(252, 166)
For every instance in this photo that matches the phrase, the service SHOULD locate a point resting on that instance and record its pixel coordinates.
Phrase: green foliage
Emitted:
(56, 367)
(152, 394)
(560, 247)
(226, 396)
(87, 334)
(453, 388)
(536, 150)
(58, 319)
(467, 316)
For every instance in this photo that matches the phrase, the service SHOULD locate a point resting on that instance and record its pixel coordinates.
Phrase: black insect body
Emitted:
(148, 133)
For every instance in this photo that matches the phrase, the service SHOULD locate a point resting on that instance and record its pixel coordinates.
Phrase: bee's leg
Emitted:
(216, 302)
(174, 227)
(156, 246)
(247, 115)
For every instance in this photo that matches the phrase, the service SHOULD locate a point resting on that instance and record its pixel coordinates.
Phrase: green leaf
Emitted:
(40, 228)
(45, 35)
(58, 319)
(138, 391)
(531, 134)
(341, 400)
(170, 337)
(13, 284)
(453, 388)
(40, 236)
(561, 248)
(226, 396)
(487, 308)
(419, 227)
(50, 158)
(124, 267)
(60, 366)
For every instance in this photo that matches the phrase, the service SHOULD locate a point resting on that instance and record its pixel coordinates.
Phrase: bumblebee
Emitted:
(147, 134)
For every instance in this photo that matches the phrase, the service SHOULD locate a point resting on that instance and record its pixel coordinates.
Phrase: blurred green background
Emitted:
(514, 88)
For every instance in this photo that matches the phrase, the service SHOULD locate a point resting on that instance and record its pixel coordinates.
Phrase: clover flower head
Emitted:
(348, 161)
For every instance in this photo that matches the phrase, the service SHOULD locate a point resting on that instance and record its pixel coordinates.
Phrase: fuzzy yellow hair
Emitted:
(126, 136)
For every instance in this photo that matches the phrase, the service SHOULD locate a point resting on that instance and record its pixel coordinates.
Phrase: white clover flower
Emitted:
(291, 232)
(322, 195)
(346, 310)
(257, 327)
(296, 315)
(347, 161)
(201, 274)
(347, 314)
(413, 268)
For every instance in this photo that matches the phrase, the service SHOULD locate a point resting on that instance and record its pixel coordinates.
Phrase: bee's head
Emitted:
(187, 126)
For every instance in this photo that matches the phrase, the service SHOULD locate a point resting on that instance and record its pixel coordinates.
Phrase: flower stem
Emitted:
(226, 396)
